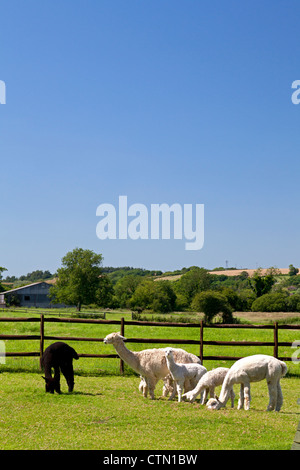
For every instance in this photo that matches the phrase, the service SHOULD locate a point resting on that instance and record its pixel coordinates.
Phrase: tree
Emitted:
(211, 303)
(158, 296)
(293, 271)
(1, 271)
(262, 284)
(124, 289)
(143, 295)
(164, 297)
(232, 298)
(79, 280)
(105, 293)
(195, 280)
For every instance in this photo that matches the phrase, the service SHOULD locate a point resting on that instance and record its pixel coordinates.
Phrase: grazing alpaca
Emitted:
(59, 356)
(207, 383)
(150, 363)
(182, 372)
(252, 369)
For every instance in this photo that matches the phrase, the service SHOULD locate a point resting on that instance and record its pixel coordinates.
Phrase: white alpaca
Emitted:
(252, 369)
(207, 383)
(182, 372)
(150, 363)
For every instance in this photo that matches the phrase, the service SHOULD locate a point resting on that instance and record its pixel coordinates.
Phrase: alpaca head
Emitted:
(213, 404)
(169, 352)
(52, 385)
(113, 338)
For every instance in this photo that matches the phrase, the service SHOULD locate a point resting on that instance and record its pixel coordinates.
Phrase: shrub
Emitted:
(247, 298)
(158, 296)
(272, 302)
(211, 303)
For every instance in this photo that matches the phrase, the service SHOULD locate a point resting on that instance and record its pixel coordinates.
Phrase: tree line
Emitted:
(82, 280)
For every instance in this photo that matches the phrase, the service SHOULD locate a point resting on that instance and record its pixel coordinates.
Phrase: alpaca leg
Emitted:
(142, 384)
(180, 385)
(168, 385)
(272, 395)
(279, 397)
(172, 396)
(188, 385)
(68, 372)
(151, 383)
(204, 396)
(145, 389)
(57, 379)
(241, 399)
(247, 396)
(232, 395)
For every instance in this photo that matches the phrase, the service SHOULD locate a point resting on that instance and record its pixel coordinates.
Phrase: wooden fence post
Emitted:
(122, 334)
(41, 339)
(275, 354)
(201, 341)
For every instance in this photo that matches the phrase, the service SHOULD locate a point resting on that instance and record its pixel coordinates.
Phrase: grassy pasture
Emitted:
(106, 411)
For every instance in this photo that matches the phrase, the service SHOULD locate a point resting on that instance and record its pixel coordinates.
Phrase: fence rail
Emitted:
(201, 342)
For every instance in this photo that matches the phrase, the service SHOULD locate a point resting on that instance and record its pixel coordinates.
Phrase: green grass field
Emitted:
(107, 411)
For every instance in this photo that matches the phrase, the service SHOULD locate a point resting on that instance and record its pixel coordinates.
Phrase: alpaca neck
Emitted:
(171, 364)
(130, 357)
(47, 370)
(46, 364)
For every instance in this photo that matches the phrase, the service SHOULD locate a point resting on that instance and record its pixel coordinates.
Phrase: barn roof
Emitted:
(24, 287)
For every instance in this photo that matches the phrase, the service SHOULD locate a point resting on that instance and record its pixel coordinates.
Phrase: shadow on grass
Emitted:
(83, 393)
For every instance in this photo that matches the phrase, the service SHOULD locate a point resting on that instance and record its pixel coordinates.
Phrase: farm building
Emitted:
(32, 295)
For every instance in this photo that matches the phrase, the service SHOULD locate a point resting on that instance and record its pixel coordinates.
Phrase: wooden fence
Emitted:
(121, 324)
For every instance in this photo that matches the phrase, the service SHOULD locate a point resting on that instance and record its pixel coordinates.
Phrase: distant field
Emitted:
(228, 272)
(237, 272)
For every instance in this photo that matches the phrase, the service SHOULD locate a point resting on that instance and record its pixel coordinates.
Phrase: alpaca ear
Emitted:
(120, 336)
(46, 380)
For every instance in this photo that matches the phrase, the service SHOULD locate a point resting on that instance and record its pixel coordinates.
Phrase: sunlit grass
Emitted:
(106, 410)
(110, 413)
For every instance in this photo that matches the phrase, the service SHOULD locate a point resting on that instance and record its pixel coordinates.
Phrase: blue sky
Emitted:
(163, 101)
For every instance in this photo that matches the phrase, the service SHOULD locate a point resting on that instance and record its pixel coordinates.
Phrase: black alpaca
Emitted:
(59, 356)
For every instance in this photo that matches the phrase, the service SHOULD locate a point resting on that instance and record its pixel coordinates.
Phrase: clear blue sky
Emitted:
(163, 101)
